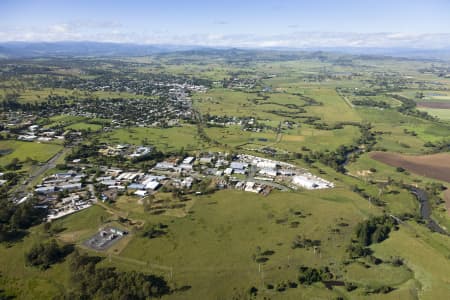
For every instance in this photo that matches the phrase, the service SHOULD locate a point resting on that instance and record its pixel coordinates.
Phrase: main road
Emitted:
(36, 172)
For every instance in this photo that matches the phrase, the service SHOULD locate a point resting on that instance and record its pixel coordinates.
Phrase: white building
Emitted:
(311, 182)
(141, 193)
(268, 172)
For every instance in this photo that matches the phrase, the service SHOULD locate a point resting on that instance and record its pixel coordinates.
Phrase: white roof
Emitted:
(188, 160)
(140, 193)
(152, 185)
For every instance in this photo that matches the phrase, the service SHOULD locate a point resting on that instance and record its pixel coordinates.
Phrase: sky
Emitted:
(251, 23)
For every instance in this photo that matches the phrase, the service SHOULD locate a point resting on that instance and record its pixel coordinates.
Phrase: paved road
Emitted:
(37, 171)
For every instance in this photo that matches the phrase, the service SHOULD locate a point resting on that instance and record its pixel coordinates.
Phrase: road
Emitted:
(36, 172)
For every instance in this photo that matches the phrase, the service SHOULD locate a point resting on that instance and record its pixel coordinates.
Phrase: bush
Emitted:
(44, 255)
(309, 275)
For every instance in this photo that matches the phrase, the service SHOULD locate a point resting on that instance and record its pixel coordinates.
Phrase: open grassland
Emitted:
(40, 152)
(433, 166)
(84, 126)
(334, 108)
(164, 139)
(242, 223)
(246, 225)
(294, 139)
(442, 114)
(402, 133)
(426, 254)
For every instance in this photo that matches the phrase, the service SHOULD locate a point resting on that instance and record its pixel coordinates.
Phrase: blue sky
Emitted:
(251, 23)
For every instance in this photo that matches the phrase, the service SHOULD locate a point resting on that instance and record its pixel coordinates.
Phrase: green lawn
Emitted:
(22, 150)
(84, 126)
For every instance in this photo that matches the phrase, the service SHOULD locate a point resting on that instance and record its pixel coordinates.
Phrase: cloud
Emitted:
(108, 31)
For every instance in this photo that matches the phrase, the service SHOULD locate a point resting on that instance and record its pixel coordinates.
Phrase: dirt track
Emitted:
(429, 104)
(435, 166)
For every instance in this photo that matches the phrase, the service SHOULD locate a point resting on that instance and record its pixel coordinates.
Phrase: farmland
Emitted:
(434, 166)
(172, 136)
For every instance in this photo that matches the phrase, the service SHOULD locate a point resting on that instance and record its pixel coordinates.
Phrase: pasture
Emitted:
(40, 152)
(164, 139)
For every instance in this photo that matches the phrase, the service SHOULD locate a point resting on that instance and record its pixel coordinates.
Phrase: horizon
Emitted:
(253, 24)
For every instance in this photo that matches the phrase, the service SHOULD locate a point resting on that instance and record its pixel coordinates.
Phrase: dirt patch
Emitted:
(364, 173)
(431, 104)
(447, 200)
(435, 166)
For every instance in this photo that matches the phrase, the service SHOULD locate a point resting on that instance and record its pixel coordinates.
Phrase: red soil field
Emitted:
(435, 166)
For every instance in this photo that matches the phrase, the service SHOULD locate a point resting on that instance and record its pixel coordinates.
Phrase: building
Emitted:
(164, 165)
(188, 160)
(152, 185)
(45, 190)
(311, 182)
(268, 172)
(228, 171)
(235, 165)
(141, 193)
(206, 160)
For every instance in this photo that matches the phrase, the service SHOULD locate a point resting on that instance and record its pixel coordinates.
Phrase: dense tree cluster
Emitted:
(92, 282)
(152, 231)
(43, 255)
(15, 219)
(371, 103)
(374, 230)
(309, 275)
(371, 231)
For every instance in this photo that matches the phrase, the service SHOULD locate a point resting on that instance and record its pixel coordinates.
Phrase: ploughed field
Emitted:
(435, 166)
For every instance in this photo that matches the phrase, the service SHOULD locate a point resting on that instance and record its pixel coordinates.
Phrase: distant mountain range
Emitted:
(85, 49)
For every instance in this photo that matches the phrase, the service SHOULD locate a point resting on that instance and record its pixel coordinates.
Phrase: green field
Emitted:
(443, 114)
(169, 139)
(22, 150)
(84, 126)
